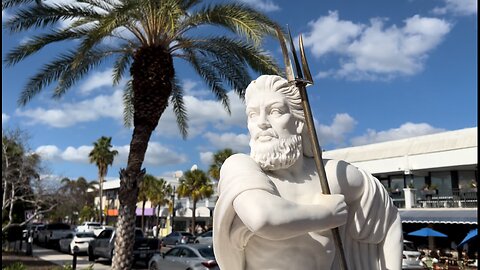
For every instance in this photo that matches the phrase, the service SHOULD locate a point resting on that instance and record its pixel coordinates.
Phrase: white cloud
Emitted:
(375, 51)
(457, 7)
(237, 142)
(263, 5)
(48, 152)
(206, 157)
(156, 154)
(5, 118)
(97, 80)
(406, 130)
(342, 124)
(205, 113)
(69, 114)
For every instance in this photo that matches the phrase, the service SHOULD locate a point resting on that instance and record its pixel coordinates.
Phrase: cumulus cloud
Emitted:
(336, 133)
(406, 130)
(206, 157)
(237, 142)
(457, 7)
(157, 154)
(263, 5)
(203, 114)
(69, 114)
(5, 118)
(97, 80)
(375, 51)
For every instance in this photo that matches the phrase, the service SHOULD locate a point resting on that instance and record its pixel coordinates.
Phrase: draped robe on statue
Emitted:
(369, 219)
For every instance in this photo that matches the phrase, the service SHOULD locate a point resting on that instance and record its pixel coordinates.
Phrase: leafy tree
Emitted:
(74, 196)
(102, 156)
(196, 185)
(21, 185)
(147, 35)
(217, 162)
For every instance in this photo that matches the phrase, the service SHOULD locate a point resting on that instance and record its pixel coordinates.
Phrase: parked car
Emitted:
(178, 237)
(78, 239)
(181, 257)
(204, 238)
(88, 226)
(411, 257)
(52, 233)
(31, 229)
(103, 246)
(36, 232)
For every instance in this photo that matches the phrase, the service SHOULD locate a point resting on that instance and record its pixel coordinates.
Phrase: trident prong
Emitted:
(301, 84)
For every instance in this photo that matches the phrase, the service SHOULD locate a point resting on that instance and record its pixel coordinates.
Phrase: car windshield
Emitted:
(85, 235)
(206, 253)
(186, 234)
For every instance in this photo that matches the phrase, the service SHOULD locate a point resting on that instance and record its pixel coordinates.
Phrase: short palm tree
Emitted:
(102, 156)
(217, 162)
(195, 185)
(159, 195)
(143, 36)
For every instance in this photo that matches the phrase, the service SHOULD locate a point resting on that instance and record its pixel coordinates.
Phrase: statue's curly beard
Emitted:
(278, 154)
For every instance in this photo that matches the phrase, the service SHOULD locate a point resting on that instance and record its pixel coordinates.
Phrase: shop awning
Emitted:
(441, 215)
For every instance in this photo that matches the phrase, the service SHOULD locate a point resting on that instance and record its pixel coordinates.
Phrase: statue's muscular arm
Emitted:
(272, 217)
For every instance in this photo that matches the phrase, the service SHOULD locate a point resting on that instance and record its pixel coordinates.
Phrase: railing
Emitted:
(455, 198)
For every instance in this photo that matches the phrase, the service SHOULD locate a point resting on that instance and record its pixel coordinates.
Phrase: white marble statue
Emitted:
(271, 214)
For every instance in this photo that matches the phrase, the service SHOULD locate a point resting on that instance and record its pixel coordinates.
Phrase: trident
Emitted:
(301, 84)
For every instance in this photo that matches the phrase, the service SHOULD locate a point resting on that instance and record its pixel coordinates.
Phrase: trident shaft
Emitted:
(302, 82)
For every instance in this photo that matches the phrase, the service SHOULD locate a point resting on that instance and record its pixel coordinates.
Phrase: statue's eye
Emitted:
(276, 112)
(252, 114)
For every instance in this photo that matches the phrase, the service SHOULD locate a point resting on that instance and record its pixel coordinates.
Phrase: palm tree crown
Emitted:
(196, 185)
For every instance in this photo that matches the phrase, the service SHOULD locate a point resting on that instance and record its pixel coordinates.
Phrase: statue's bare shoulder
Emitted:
(345, 178)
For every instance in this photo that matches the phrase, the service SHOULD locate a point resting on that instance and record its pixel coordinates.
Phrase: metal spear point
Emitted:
(302, 82)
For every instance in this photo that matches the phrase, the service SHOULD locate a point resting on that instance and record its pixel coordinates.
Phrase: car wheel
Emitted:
(153, 266)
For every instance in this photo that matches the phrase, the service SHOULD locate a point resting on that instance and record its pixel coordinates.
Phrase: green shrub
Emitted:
(16, 266)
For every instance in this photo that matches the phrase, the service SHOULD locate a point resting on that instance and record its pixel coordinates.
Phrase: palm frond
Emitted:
(41, 16)
(13, 3)
(210, 75)
(37, 43)
(128, 108)
(238, 18)
(179, 108)
(74, 73)
(123, 61)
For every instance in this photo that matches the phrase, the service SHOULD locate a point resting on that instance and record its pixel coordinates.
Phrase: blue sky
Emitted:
(384, 70)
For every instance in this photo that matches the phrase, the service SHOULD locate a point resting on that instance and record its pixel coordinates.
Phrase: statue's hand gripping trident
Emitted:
(302, 82)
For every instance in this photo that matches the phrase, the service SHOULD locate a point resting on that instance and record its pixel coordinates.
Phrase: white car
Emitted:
(205, 238)
(411, 257)
(181, 257)
(78, 240)
(88, 226)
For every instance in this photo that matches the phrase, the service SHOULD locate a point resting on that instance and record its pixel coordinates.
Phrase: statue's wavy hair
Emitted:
(294, 100)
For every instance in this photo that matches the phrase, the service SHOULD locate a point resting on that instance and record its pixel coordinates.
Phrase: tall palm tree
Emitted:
(217, 162)
(147, 36)
(144, 193)
(196, 185)
(102, 156)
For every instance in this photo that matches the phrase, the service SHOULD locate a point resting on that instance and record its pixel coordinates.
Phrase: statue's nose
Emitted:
(263, 122)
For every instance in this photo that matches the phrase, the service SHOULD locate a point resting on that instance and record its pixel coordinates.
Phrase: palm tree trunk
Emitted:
(143, 215)
(101, 197)
(152, 72)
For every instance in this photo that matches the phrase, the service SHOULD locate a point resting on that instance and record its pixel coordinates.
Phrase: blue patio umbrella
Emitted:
(471, 234)
(426, 232)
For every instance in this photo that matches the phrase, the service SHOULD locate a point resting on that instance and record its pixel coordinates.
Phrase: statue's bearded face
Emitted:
(275, 140)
